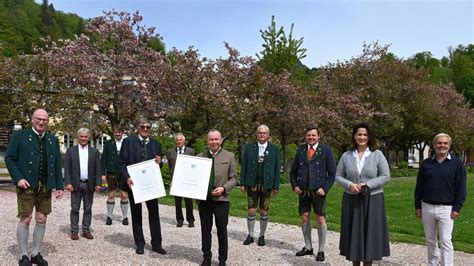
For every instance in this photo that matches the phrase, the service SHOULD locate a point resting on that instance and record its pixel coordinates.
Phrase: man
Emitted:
(222, 180)
(440, 193)
(137, 149)
(81, 177)
(312, 175)
(34, 163)
(110, 173)
(171, 156)
(260, 178)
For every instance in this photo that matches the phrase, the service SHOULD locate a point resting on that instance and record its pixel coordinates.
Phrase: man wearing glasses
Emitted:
(137, 149)
(260, 178)
(34, 163)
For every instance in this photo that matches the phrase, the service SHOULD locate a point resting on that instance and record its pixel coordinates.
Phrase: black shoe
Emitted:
(304, 252)
(140, 250)
(38, 259)
(24, 261)
(180, 224)
(191, 224)
(248, 240)
(109, 221)
(159, 250)
(206, 262)
(320, 256)
(261, 241)
(125, 221)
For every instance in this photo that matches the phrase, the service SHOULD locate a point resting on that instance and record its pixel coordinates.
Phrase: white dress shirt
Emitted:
(360, 161)
(84, 161)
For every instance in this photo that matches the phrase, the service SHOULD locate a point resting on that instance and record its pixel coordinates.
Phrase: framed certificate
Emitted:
(147, 181)
(191, 177)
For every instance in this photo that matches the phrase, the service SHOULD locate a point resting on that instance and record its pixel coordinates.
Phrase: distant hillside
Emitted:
(24, 22)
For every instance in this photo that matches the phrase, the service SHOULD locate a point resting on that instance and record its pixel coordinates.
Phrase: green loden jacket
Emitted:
(110, 158)
(23, 156)
(271, 166)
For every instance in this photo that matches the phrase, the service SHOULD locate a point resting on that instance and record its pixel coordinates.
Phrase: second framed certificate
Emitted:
(191, 177)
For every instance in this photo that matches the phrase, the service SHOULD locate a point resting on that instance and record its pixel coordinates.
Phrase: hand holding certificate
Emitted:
(147, 181)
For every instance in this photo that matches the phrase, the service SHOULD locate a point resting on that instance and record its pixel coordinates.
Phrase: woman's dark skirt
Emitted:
(364, 233)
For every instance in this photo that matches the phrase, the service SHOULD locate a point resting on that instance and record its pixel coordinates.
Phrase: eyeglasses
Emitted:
(262, 133)
(145, 127)
(41, 119)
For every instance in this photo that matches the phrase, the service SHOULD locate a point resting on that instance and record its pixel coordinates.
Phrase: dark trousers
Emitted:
(153, 219)
(179, 209)
(87, 197)
(220, 210)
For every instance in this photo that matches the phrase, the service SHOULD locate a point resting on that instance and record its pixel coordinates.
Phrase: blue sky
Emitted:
(332, 30)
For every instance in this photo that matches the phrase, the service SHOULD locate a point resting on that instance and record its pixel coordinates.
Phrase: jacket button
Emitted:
(31, 162)
(32, 153)
(29, 171)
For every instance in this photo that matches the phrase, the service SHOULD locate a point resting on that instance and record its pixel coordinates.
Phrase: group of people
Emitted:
(33, 160)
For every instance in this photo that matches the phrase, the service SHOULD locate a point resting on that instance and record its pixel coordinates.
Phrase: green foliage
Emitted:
(402, 165)
(281, 52)
(403, 172)
(23, 24)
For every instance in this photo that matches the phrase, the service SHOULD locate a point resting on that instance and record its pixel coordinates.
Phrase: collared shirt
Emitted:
(314, 146)
(84, 161)
(360, 161)
(40, 135)
(118, 143)
(182, 150)
(447, 157)
(262, 148)
(213, 154)
(146, 140)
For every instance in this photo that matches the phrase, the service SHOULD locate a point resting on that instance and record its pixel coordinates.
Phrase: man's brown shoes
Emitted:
(87, 235)
(74, 236)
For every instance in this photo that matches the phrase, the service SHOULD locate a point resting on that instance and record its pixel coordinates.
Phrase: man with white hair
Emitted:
(34, 163)
(82, 176)
(172, 155)
(440, 193)
(260, 178)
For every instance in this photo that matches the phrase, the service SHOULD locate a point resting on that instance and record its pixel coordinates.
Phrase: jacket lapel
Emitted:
(255, 150)
(90, 161)
(317, 153)
(77, 159)
(33, 138)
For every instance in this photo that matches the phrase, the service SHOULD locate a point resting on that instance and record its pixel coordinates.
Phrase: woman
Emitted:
(362, 172)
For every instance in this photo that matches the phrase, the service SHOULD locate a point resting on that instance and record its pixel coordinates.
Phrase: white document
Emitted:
(147, 181)
(191, 177)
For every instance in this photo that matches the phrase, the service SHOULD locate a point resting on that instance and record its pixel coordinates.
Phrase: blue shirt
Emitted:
(441, 183)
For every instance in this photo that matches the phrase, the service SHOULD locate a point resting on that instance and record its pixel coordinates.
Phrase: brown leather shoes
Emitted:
(87, 235)
(74, 236)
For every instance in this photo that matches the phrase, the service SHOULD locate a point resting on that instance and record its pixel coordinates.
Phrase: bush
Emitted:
(403, 165)
(403, 172)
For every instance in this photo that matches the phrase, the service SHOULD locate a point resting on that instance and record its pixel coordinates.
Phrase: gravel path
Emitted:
(114, 244)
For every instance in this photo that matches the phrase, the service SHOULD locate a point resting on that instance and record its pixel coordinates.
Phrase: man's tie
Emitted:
(310, 152)
(144, 151)
(180, 150)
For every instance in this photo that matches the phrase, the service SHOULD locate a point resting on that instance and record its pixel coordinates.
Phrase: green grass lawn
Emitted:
(403, 225)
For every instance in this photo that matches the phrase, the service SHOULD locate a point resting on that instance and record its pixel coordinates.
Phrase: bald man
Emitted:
(222, 180)
(34, 163)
